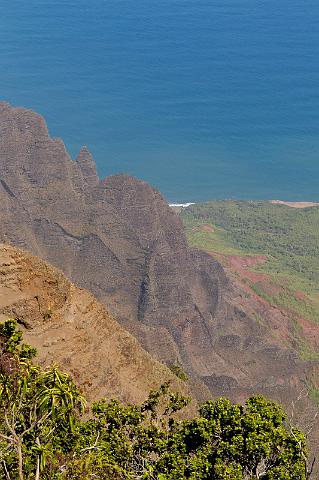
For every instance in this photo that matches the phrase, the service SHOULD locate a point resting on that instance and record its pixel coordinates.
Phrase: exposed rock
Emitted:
(119, 239)
(88, 168)
(69, 327)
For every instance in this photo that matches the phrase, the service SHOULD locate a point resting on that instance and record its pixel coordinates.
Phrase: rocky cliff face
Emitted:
(69, 327)
(119, 239)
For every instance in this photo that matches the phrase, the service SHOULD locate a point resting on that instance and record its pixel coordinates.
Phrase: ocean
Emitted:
(204, 99)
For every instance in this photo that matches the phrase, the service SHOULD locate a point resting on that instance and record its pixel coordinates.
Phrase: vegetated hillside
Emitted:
(119, 239)
(70, 328)
(272, 247)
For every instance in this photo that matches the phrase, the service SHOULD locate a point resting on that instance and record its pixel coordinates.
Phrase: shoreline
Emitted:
(295, 204)
(274, 202)
(181, 205)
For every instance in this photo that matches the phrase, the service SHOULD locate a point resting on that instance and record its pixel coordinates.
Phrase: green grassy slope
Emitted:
(288, 237)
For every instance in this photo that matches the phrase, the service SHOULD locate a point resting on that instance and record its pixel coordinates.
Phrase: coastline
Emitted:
(181, 205)
(275, 202)
(295, 204)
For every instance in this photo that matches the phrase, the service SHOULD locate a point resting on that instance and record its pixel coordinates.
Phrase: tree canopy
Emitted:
(44, 434)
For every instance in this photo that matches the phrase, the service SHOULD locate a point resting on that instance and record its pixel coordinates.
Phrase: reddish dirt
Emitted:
(276, 319)
(301, 295)
(310, 332)
(242, 264)
(246, 262)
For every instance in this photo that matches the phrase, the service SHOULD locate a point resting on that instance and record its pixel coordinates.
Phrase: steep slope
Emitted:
(69, 327)
(119, 239)
(274, 250)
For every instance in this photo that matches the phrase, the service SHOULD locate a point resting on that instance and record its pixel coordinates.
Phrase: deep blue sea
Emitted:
(203, 98)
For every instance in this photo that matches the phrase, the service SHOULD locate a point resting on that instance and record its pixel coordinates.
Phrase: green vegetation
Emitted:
(178, 371)
(43, 434)
(313, 392)
(288, 237)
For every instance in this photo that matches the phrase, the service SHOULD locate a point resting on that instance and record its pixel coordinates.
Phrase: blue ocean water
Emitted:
(203, 98)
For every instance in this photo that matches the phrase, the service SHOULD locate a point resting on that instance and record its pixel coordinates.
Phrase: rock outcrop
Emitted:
(119, 239)
(69, 327)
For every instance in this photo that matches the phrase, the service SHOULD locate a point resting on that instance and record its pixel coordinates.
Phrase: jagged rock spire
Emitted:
(88, 167)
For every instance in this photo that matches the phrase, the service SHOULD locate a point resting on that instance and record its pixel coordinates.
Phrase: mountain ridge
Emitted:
(119, 239)
(70, 328)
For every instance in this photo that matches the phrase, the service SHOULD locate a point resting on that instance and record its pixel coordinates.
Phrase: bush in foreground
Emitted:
(43, 434)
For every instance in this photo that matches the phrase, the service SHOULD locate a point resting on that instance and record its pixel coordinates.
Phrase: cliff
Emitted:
(119, 239)
(69, 327)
